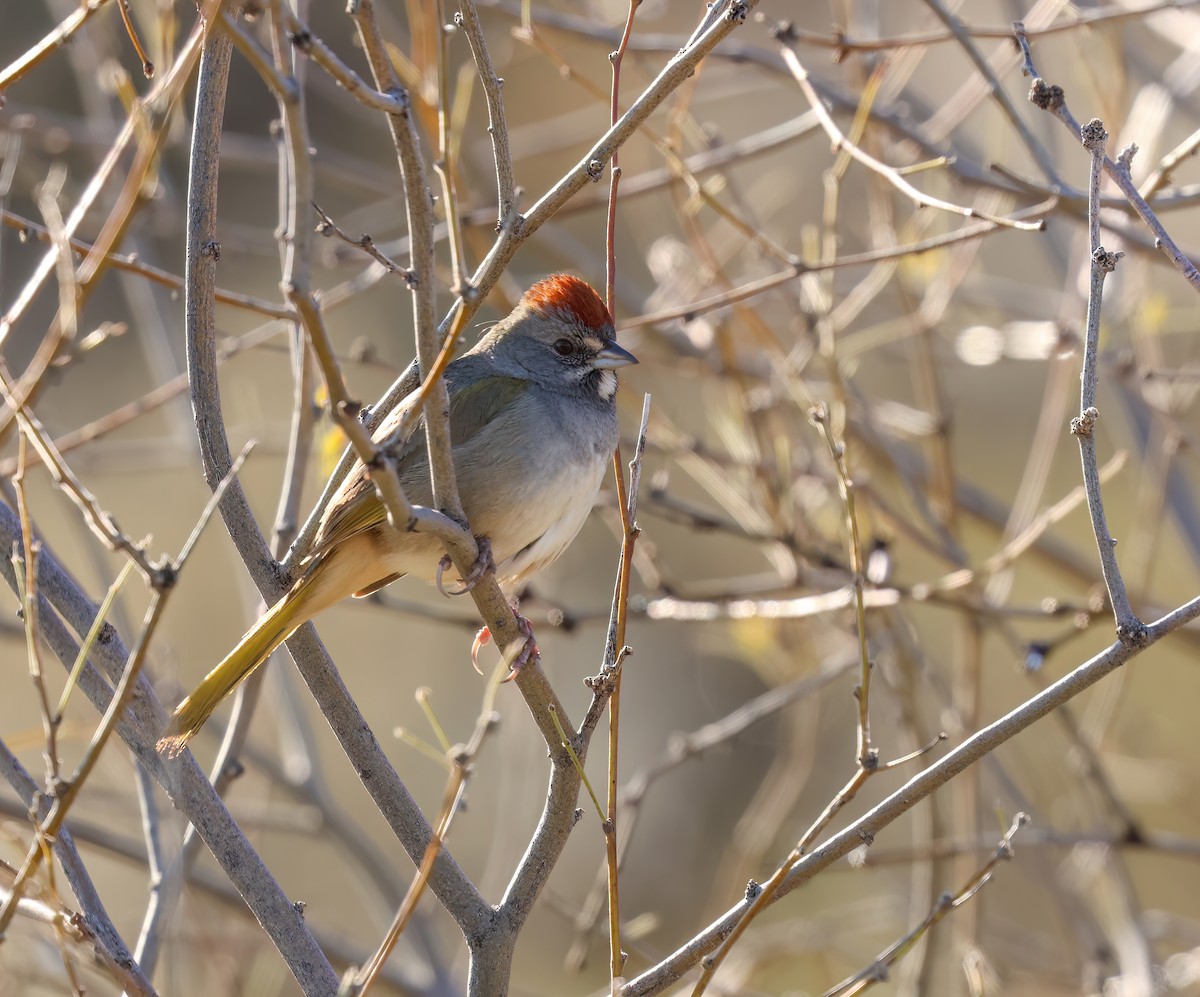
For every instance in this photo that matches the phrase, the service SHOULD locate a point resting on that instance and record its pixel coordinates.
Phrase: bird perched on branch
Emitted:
(533, 424)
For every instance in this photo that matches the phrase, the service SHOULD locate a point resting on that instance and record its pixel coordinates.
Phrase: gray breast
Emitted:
(585, 424)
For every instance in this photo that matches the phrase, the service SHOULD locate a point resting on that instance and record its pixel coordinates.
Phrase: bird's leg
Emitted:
(484, 637)
(483, 564)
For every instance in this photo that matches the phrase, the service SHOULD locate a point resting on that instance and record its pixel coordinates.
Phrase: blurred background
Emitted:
(950, 376)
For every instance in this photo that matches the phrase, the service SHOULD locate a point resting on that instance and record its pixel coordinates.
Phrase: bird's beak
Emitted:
(613, 356)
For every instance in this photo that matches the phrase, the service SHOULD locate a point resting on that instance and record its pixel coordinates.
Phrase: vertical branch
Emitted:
(25, 570)
(614, 176)
(168, 882)
(506, 195)
(295, 238)
(1129, 627)
(867, 755)
(304, 410)
(149, 943)
(616, 641)
(615, 646)
(444, 164)
(203, 254)
(419, 209)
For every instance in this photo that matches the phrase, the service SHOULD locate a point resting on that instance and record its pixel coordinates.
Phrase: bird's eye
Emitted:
(564, 347)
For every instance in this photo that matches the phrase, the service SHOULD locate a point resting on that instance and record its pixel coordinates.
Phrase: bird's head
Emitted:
(561, 334)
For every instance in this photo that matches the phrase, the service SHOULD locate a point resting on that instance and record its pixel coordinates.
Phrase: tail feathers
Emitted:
(275, 626)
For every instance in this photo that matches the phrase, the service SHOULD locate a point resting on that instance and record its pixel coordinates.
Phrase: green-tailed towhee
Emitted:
(533, 424)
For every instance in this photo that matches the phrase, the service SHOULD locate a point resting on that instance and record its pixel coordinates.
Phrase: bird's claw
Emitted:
(484, 637)
(483, 564)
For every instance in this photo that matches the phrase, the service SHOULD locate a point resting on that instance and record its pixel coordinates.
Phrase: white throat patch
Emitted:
(606, 385)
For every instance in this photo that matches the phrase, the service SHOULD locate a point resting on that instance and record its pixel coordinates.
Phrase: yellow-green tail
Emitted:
(275, 626)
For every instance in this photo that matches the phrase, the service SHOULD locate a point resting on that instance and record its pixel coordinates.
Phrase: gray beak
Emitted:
(613, 356)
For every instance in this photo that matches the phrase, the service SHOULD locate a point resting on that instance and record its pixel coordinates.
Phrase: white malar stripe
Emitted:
(608, 384)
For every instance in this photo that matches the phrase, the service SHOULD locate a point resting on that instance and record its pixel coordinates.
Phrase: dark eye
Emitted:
(564, 347)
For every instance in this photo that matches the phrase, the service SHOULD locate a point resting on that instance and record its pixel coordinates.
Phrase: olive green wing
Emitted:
(357, 507)
(474, 406)
(354, 509)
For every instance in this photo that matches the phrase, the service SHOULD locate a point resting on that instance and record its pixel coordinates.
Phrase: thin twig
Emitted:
(461, 759)
(444, 165)
(311, 45)
(92, 927)
(864, 830)
(467, 17)
(842, 44)
(66, 611)
(131, 31)
(419, 209)
(1161, 175)
(56, 39)
(50, 826)
(616, 957)
(163, 97)
(841, 143)
(131, 264)
(1129, 627)
(867, 755)
(882, 964)
(25, 570)
(328, 227)
(1050, 97)
(98, 519)
(1007, 107)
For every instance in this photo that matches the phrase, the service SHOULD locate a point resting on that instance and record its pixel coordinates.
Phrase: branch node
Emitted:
(1105, 260)
(1083, 424)
(737, 12)
(166, 575)
(1134, 634)
(1093, 135)
(1047, 96)
(400, 96)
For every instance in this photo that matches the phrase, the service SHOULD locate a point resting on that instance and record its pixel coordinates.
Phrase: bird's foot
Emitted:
(484, 637)
(483, 564)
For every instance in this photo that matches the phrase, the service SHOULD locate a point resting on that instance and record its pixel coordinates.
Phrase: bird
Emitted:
(533, 426)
